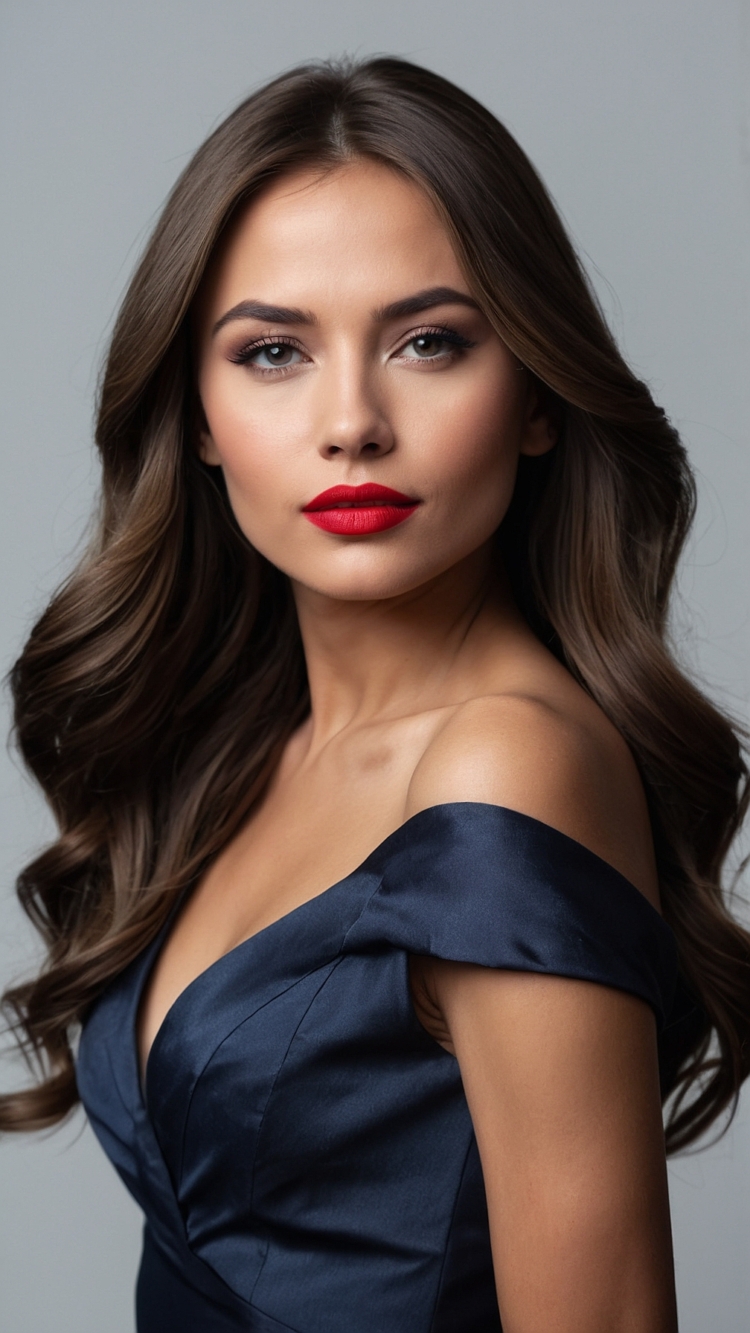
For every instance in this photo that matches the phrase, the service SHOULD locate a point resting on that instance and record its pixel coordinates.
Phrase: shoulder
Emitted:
(565, 766)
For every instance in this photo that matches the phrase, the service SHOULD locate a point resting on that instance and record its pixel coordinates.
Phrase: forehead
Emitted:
(360, 231)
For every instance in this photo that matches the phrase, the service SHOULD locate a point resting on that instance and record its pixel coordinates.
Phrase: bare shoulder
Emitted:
(560, 762)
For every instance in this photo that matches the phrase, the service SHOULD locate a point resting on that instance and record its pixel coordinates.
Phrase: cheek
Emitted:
(250, 443)
(473, 450)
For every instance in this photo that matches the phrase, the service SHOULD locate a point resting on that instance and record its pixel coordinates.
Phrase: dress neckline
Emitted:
(375, 855)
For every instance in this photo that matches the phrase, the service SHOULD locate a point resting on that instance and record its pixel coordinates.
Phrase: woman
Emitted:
(387, 538)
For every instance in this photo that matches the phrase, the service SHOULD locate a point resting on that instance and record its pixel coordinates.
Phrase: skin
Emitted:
(428, 687)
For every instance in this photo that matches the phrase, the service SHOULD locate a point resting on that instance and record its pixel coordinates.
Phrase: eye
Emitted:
(269, 354)
(274, 354)
(434, 345)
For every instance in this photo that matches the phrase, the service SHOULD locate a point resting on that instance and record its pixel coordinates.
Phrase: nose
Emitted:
(353, 419)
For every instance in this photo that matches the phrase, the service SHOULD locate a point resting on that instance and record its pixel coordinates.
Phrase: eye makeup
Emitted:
(455, 342)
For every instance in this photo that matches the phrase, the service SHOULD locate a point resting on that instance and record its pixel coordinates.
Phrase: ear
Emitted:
(541, 427)
(205, 447)
(207, 451)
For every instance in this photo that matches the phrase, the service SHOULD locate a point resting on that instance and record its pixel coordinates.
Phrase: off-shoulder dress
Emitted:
(302, 1150)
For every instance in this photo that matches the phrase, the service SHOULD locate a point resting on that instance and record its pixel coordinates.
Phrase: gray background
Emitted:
(637, 116)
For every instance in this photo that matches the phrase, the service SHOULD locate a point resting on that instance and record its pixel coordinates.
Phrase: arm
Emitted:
(562, 1084)
(560, 1075)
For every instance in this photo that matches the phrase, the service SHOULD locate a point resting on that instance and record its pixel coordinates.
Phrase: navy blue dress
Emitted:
(303, 1150)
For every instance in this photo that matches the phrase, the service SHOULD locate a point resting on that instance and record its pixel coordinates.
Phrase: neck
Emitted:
(371, 660)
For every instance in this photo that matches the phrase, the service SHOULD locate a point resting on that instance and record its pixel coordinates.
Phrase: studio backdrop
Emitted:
(637, 115)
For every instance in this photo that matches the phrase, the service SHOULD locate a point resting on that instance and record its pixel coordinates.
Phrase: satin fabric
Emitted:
(303, 1151)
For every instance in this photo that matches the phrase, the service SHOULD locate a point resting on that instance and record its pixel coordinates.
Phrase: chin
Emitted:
(372, 580)
(359, 587)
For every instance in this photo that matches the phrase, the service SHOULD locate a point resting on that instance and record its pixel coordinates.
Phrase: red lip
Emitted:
(353, 511)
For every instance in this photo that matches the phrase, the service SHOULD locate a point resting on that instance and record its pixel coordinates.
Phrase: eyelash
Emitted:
(457, 342)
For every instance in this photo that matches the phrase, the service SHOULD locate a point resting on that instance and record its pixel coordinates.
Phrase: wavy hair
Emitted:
(158, 688)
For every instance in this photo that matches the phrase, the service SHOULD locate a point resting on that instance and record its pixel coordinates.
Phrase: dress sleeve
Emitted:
(484, 884)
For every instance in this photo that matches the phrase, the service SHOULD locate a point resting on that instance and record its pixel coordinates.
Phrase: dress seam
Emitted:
(376, 889)
(332, 968)
(330, 964)
(297, 982)
(333, 964)
(449, 1233)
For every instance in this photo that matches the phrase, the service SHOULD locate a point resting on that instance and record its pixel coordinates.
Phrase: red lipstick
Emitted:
(355, 511)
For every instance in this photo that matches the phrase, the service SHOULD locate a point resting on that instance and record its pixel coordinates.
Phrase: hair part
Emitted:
(156, 692)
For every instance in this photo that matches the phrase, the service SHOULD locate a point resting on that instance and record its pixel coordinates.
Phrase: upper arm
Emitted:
(562, 1083)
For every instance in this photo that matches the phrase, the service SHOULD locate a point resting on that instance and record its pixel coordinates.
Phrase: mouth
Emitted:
(354, 511)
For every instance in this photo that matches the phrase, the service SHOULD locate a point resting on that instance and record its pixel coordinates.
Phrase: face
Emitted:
(339, 348)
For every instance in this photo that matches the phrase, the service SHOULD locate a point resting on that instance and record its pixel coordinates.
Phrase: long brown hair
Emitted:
(157, 690)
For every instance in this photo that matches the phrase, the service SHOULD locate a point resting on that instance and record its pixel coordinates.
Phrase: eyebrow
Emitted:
(408, 305)
(425, 300)
(270, 314)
